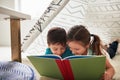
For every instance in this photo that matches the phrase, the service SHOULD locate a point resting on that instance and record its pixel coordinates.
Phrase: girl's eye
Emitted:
(76, 49)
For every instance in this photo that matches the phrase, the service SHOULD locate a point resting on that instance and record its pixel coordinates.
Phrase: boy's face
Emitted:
(57, 49)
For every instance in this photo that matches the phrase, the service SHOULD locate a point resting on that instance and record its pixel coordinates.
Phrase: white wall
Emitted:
(25, 24)
(4, 33)
(5, 39)
(4, 25)
(8, 3)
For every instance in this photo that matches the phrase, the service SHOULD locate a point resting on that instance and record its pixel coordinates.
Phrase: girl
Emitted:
(81, 42)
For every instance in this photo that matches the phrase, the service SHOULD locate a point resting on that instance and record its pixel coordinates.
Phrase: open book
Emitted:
(70, 68)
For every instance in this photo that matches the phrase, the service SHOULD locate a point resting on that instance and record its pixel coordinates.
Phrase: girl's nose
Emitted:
(73, 51)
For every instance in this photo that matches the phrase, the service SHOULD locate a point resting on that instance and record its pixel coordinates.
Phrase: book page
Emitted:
(78, 56)
(50, 56)
(82, 56)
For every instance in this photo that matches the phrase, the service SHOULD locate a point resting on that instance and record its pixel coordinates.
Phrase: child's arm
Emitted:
(109, 73)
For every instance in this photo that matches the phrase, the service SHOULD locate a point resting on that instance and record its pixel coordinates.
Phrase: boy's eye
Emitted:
(62, 48)
(55, 49)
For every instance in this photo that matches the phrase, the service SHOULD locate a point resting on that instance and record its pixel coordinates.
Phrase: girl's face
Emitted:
(77, 48)
(57, 49)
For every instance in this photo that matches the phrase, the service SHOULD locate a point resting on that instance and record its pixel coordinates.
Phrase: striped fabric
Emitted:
(15, 71)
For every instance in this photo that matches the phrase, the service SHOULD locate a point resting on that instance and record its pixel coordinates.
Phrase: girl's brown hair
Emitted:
(81, 34)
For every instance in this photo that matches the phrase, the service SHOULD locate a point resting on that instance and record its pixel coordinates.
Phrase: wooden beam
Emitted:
(15, 39)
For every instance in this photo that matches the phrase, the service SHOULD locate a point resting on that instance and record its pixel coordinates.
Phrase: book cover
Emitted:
(80, 67)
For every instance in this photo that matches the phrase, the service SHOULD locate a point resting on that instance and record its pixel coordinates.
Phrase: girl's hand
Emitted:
(106, 76)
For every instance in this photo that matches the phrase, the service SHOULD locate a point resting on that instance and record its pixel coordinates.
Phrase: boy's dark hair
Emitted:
(57, 35)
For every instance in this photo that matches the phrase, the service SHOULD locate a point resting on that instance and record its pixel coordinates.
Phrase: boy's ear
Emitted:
(48, 45)
(67, 42)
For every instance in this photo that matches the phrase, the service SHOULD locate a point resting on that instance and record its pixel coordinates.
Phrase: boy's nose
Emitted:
(60, 51)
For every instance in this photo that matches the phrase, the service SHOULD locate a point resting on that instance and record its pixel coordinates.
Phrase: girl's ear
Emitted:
(87, 46)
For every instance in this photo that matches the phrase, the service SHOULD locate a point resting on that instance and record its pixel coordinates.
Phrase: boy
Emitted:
(56, 40)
